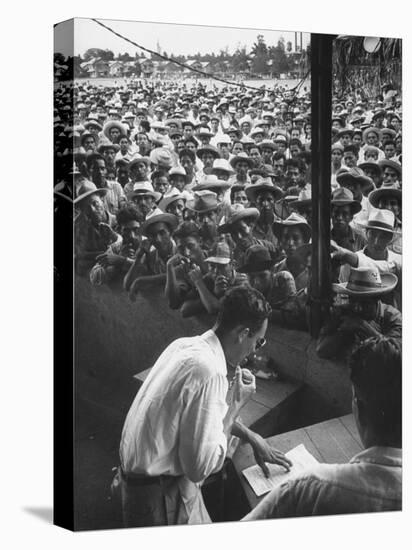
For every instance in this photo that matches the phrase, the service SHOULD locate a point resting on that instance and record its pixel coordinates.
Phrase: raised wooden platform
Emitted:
(335, 441)
(270, 410)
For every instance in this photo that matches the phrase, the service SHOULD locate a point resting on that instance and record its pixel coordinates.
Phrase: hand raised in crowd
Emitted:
(264, 453)
(195, 274)
(144, 248)
(356, 324)
(175, 260)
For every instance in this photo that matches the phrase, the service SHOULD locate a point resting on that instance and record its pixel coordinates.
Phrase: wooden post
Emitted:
(321, 93)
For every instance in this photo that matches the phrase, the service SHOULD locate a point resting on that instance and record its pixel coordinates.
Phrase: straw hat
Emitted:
(86, 189)
(294, 220)
(343, 197)
(143, 188)
(390, 191)
(366, 281)
(263, 184)
(220, 254)
(203, 201)
(157, 216)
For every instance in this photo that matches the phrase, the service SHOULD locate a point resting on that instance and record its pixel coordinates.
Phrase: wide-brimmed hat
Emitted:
(137, 159)
(234, 130)
(203, 131)
(370, 130)
(344, 131)
(263, 184)
(223, 165)
(87, 188)
(220, 254)
(143, 188)
(391, 164)
(343, 197)
(114, 124)
(257, 130)
(366, 281)
(177, 171)
(389, 191)
(294, 220)
(381, 219)
(223, 138)
(107, 144)
(161, 157)
(208, 149)
(372, 165)
(268, 143)
(304, 199)
(171, 198)
(158, 216)
(211, 182)
(242, 157)
(355, 175)
(391, 133)
(379, 112)
(203, 201)
(91, 123)
(237, 212)
(257, 258)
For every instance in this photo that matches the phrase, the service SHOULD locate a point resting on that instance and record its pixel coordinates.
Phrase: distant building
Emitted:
(95, 68)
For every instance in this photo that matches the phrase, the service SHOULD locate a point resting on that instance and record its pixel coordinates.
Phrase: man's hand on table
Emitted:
(265, 453)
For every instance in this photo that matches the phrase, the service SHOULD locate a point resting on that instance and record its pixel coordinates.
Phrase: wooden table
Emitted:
(333, 441)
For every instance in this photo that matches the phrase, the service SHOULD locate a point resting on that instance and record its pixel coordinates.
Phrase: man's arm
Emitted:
(172, 290)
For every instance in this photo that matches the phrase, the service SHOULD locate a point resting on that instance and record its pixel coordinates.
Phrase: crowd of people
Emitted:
(204, 195)
(194, 191)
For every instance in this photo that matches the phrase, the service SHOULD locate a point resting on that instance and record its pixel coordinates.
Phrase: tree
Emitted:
(105, 55)
(240, 60)
(260, 56)
(288, 46)
(125, 57)
(280, 62)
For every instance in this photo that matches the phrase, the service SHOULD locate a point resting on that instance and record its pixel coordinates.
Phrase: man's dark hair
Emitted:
(187, 153)
(92, 159)
(351, 149)
(279, 156)
(243, 305)
(193, 140)
(128, 214)
(295, 141)
(187, 229)
(145, 125)
(158, 173)
(389, 142)
(294, 163)
(376, 373)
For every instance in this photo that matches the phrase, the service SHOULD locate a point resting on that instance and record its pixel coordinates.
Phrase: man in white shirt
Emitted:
(179, 428)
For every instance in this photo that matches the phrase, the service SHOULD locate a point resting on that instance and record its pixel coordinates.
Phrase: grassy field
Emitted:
(189, 82)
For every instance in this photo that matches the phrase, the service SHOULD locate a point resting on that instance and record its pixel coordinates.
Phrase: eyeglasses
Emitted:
(260, 343)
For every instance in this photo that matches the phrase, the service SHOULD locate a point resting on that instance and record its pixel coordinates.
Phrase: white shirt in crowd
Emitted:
(175, 424)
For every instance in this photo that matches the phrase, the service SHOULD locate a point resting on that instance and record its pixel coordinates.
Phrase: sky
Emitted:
(174, 39)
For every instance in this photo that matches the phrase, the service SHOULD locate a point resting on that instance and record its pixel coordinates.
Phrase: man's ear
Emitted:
(243, 333)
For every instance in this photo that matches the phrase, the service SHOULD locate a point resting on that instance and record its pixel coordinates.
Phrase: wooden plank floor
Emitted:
(333, 441)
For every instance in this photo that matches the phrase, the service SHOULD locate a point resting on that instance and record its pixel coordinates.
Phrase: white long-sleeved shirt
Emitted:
(175, 424)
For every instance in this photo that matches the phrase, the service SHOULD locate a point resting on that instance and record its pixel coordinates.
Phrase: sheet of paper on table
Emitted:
(301, 459)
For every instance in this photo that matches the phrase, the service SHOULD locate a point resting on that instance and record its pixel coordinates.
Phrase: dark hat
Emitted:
(389, 191)
(240, 157)
(343, 197)
(257, 258)
(263, 184)
(355, 175)
(238, 212)
(208, 149)
(391, 164)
